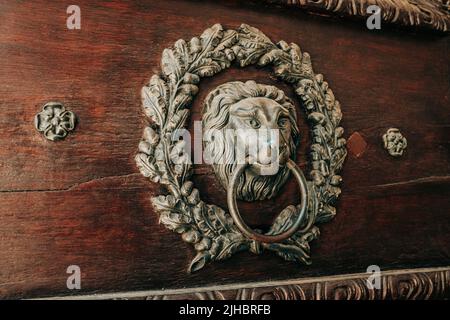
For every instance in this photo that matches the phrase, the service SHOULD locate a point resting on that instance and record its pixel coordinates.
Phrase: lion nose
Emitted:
(266, 154)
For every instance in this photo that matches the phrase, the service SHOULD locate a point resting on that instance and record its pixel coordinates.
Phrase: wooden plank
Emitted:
(82, 201)
(405, 284)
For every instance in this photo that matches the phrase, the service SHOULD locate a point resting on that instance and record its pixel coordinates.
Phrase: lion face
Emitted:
(254, 122)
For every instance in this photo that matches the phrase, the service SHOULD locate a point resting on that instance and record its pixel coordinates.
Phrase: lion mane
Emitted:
(219, 149)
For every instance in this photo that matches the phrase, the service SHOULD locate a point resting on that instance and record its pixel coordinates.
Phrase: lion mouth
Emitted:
(280, 160)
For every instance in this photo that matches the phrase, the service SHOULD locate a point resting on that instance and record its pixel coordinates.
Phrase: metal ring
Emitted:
(244, 228)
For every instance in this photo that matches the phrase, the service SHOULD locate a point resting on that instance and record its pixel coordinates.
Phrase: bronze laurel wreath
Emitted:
(166, 101)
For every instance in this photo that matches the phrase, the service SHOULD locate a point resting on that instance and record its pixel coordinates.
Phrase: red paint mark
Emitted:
(356, 145)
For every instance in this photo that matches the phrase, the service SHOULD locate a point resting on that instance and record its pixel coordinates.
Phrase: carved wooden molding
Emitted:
(431, 14)
(410, 284)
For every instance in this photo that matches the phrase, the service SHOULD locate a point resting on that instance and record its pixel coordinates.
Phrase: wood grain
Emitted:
(82, 200)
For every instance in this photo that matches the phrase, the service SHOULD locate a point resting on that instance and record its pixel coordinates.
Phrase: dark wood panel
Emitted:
(107, 228)
(381, 79)
(82, 201)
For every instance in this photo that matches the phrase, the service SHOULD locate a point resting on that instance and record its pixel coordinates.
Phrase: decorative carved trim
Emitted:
(409, 284)
(431, 14)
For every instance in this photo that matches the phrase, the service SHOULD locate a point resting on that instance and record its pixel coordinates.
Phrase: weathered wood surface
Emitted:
(82, 200)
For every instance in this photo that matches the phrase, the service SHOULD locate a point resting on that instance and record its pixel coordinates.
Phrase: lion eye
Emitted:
(282, 122)
(254, 123)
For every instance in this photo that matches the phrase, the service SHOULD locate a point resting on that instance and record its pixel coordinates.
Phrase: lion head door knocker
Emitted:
(231, 107)
(237, 115)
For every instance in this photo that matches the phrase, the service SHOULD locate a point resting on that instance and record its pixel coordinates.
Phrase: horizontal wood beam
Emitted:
(406, 284)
